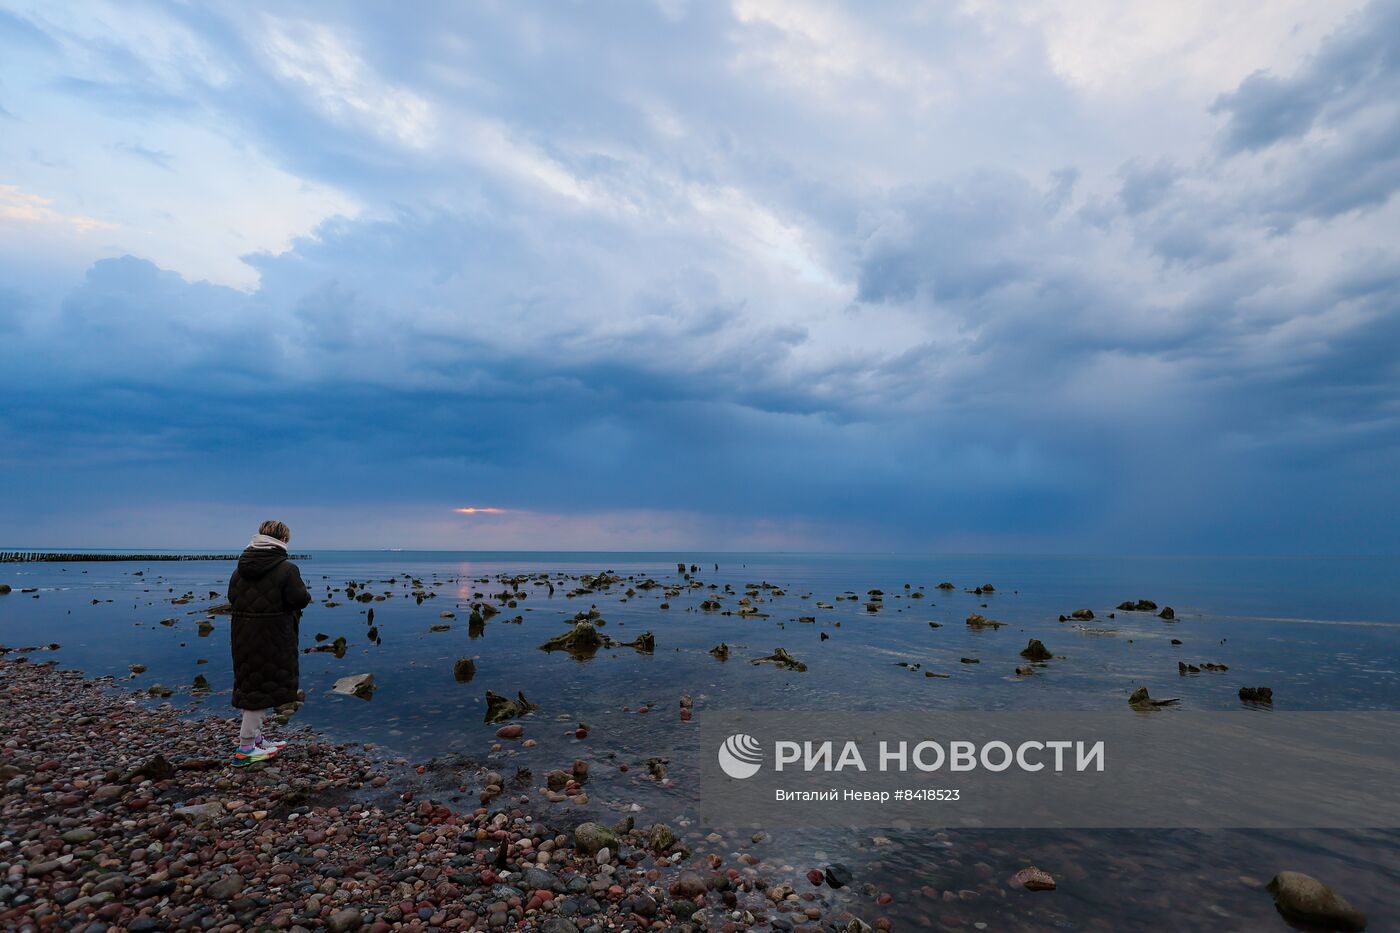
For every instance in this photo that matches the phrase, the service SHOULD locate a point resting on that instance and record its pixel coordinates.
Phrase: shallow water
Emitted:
(1324, 634)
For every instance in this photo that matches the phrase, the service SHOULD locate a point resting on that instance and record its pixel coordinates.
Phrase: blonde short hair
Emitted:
(278, 530)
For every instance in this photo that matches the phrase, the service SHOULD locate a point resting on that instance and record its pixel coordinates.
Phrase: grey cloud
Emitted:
(1356, 68)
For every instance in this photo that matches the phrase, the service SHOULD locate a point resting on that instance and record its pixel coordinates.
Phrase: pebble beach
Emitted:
(123, 816)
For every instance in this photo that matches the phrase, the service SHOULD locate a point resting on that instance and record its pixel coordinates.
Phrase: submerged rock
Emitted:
(1035, 651)
(1302, 898)
(782, 659)
(720, 651)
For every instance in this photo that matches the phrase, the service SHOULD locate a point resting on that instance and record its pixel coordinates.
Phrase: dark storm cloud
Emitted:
(775, 266)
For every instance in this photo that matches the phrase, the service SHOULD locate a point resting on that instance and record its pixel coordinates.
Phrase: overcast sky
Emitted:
(1076, 276)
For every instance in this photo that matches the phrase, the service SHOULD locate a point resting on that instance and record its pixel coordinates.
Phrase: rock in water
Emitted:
(662, 837)
(1257, 694)
(589, 838)
(838, 875)
(355, 685)
(645, 643)
(1303, 898)
(1083, 615)
(1167, 613)
(582, 641)
(1034, 879)
(499, 708)
(978, 621)
(782, 659)
(1140, 700)
(720, 651)
(1035, 651)
(464, 670)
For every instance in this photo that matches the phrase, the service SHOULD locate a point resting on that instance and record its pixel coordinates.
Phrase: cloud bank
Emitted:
(759, 275)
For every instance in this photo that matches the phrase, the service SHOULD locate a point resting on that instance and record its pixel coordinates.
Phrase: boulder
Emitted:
(464, 670)
(720, 652)
(978, 621)
(1167, 613)
(1257, 694)
(1304, 899)
(1083, 615)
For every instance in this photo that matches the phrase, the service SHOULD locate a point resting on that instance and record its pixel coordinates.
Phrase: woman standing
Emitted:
(267, 596)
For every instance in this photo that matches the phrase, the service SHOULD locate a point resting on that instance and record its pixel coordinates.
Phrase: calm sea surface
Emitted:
(1323, 633)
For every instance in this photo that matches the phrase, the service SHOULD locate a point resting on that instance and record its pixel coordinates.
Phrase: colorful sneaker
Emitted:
(246, 755)
(270, 746)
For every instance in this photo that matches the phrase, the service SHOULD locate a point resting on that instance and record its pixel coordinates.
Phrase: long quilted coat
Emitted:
(267, 597)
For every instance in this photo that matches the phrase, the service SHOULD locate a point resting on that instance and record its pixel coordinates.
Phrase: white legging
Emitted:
(252, 726)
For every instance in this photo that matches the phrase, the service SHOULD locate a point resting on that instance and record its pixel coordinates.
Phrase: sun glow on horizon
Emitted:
(479, 510)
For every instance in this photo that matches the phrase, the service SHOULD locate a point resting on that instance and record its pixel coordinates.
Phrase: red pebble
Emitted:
(816, 876)
(580, 733)
(884, 899)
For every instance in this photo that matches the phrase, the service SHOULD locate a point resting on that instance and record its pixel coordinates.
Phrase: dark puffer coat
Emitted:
(267, 597)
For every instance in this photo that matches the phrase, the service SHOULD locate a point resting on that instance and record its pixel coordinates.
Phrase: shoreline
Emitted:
(61, 557)
(120, 813)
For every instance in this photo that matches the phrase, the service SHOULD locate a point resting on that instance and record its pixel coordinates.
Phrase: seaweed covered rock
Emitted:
(782, 659)
(591, 838)
(978, 621)
(645, 643)
(583, 640)
(500, 709)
